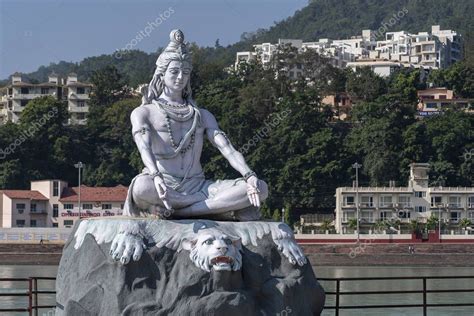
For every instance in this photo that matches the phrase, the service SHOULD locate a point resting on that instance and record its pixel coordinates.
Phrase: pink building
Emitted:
(51, 203)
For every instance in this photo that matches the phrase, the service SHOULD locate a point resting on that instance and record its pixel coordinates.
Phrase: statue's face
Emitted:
(177, 75)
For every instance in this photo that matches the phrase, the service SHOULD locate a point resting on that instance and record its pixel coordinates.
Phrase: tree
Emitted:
(365, 85)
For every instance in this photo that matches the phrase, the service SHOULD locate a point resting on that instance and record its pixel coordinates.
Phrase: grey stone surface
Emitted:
(166, 282)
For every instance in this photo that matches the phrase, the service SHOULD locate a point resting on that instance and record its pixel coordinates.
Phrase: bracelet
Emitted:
(156, 174)
(249, 174)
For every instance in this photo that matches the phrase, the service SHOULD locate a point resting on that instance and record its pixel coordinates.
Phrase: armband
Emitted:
(249, 174)
(142, 131)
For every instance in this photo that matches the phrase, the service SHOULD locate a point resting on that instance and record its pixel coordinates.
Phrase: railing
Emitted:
(424, 304)
(32, 292)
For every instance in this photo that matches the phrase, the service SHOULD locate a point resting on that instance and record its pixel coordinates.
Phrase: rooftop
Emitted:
(95, 194)
(24, 194)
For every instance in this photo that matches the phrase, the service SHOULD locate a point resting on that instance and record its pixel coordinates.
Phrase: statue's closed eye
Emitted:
(209, 242)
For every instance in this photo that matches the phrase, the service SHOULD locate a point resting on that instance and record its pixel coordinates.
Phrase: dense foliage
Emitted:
(287, 136)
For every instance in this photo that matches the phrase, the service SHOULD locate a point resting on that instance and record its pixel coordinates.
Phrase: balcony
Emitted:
(386, 205)
(76, 96)
(367, 205)
(455, 206)
(38, 212)
(349, 205)
(404, 205)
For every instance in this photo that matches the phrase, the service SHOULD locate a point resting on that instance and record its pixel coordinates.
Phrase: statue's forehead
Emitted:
(179, 64)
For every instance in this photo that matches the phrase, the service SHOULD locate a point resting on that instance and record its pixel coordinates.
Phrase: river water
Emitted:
(20, 271)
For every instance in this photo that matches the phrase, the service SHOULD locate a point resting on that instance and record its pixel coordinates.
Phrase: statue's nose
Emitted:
(222, 246)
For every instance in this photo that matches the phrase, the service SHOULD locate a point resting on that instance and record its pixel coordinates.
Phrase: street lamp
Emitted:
(79, 166)
(283, 215)
(356, 166)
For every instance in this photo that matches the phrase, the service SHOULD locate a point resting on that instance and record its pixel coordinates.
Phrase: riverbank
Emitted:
(425, 255)
(366, 254)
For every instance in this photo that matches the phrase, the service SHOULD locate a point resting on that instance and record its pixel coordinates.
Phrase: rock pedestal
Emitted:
(165, 281)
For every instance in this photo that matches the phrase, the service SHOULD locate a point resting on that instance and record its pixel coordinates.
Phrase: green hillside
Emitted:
(319, 19)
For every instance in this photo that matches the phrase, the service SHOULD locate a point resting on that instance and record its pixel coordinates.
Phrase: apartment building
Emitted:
(20, 92)
(438, 49)
(417, 201)
(51, 203)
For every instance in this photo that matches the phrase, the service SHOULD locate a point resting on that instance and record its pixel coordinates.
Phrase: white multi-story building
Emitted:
(437, 49)
(417, 201)
(51, 203)
(19, 93)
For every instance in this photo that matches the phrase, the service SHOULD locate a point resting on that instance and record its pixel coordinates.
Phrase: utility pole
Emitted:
(356, 166)
(79, 166)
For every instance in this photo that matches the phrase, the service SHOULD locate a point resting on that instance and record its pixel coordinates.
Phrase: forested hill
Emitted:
(319, 19)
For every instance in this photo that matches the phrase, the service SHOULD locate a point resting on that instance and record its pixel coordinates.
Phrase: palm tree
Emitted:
(380, 226)
(465, 223)
(415, 226)
(352, 223)
(432, 222)
(326, 225)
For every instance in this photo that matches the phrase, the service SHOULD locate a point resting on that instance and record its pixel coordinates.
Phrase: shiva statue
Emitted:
(168, 129)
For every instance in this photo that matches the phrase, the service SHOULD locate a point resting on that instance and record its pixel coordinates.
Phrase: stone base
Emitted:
(165, 281)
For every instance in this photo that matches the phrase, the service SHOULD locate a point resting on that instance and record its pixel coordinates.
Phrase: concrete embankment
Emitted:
(365, 254)
(319, 254)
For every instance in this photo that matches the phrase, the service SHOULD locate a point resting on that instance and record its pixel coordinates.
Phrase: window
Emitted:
(55, 210)
(367, 217)
(121, 206)
(346, 216)
(404, 201)
(367, 201)
(385, 215)
(33, 208)
(68, 223)
(470, 216)
(349, 200)
(454, 217)
(87, 206)
(68, 206)
(420, 209)
(33, 223)
(470, 202)
(81, 116)
(454, 201)
(23, 102)
(81, 103)
(20, 222)
(55, 188)
(420, 194)
(20, 207)
(436, 201)
(431, 105)
(44, 90)
(24, 91)
(81, 90)
(106, 206)
(55, 224)
(386, 201)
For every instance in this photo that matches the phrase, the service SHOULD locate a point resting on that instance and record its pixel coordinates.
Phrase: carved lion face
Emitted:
(212, 249)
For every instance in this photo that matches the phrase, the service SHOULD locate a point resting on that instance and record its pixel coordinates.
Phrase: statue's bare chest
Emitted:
(165, 127)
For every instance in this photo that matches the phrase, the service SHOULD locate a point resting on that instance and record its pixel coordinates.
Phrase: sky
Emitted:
(40, 32)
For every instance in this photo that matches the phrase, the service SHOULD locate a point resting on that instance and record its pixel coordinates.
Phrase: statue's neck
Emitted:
(172, 96)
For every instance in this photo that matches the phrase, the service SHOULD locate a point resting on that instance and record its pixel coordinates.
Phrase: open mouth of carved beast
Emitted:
(222, 263)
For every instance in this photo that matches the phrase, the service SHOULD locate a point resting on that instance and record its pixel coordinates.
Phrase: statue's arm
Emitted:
(141, 130)
(218, 138)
